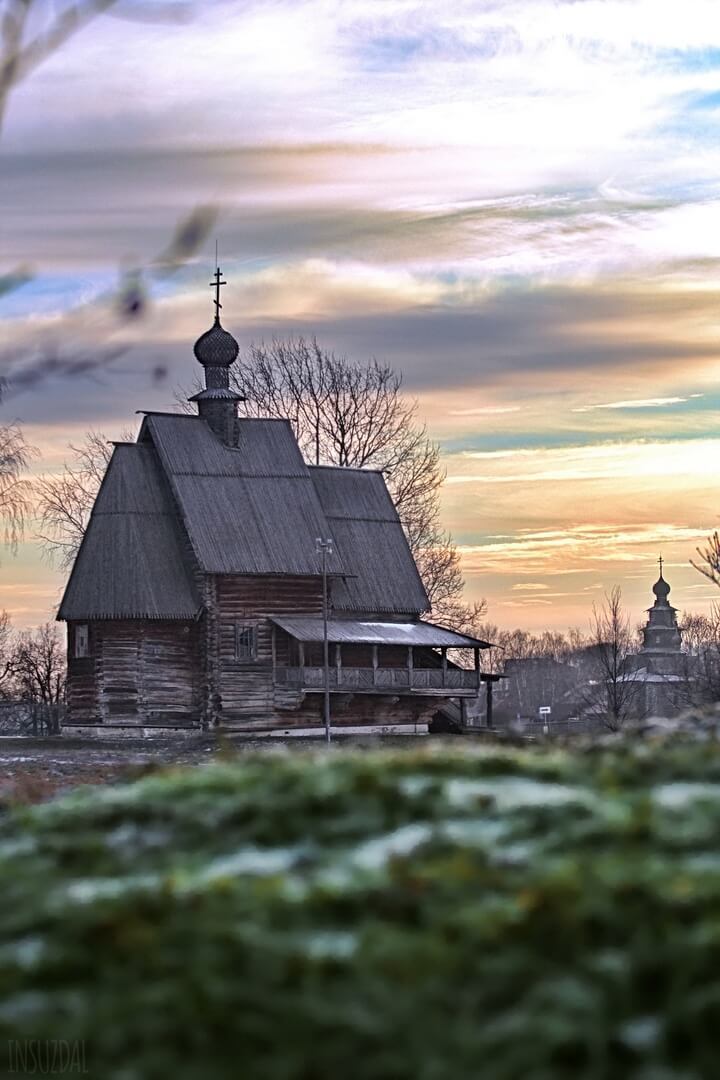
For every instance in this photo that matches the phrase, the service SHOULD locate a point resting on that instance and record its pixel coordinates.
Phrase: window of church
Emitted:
(82, 640)
(245, 642)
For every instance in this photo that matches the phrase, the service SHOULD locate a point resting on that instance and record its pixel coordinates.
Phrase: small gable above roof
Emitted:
(381, 574)
(130, 563)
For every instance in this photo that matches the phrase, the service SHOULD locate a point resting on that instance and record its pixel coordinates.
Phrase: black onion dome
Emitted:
(216, 347)
(661, 588)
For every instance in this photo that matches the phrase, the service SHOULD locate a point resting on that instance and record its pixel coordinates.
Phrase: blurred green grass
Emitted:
(442, 912)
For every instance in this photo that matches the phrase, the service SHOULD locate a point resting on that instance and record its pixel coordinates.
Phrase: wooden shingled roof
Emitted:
(130, 563)
(381, 574)
(250, 509)
(256, 508)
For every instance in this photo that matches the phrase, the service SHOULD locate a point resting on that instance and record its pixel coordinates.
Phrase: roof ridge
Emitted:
(347, 468)
(264, 419)
(163, 412)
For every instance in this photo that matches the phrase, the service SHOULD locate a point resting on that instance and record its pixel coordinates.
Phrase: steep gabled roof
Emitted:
(130, 563)
(250, 509)
(366, 530)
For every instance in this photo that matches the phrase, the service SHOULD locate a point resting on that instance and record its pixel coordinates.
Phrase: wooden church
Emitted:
(196, 598)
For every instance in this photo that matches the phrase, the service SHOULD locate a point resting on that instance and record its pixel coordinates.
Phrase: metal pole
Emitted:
(325, 548)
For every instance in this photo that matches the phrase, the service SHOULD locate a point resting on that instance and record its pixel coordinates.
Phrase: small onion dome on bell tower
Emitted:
(661, 587)
(217, 350)
(216, 347)
(661, 633)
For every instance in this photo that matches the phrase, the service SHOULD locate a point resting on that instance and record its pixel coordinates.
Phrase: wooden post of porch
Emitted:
(338, 663)
(410, 666)
(273, 649)
(301, 656)
(476, 652)
(443, 653)
(375, 663)
(489, 703)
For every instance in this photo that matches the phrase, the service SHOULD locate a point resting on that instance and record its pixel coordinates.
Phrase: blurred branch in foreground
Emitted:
(30, 32)
(19, 57)
(24, 368)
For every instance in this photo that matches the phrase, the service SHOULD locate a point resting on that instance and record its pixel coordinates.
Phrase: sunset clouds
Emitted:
(517, 203)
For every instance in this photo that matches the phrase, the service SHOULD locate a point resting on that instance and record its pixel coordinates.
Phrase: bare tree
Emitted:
(351, 414)
(541, 669)
(701, 654)
(345, 413)
(617, 693)
(6, 657)
(15, 489)
(38, 670)
(64, 502)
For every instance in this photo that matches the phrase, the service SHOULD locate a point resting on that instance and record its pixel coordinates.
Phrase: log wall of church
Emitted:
(246, 687)
(346, 710)
(140, 672)
(81, 692)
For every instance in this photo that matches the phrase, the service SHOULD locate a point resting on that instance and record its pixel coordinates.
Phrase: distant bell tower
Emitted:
(661, 634)
(217, 350)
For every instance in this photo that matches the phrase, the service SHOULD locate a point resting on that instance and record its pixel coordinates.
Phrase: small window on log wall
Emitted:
(245, 642)
(82, 642)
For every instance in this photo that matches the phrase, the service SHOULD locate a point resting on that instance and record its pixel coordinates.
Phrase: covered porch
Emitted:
(371, 657)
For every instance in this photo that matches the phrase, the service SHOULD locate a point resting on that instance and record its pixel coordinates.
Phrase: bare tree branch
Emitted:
(701, 654)
(709, 565)
(18, 58)
(350, 414)
(38, 672)
(617, 693)
(64, 502)
(15, 490)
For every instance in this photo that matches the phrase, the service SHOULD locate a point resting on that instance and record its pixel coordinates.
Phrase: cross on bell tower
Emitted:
(217, 351)
(660, 563)
(216, 284)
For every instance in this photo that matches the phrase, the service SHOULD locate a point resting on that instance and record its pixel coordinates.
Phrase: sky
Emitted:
(514, 202)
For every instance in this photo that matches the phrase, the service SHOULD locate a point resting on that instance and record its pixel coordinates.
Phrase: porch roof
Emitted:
(370, 632)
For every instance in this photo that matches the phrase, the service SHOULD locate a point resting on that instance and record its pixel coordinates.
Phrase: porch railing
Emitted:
(380, 678)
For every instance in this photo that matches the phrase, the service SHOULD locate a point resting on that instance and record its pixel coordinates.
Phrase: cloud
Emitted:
(642, 403)
(486, 410)
(578, 549)
(643, 461)
(592, 83)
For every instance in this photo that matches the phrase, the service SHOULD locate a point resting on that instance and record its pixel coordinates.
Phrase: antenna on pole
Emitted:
(324, 547)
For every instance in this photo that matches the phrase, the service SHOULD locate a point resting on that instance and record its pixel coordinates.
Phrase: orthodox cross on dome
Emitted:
(660, 563)
(215, 284)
